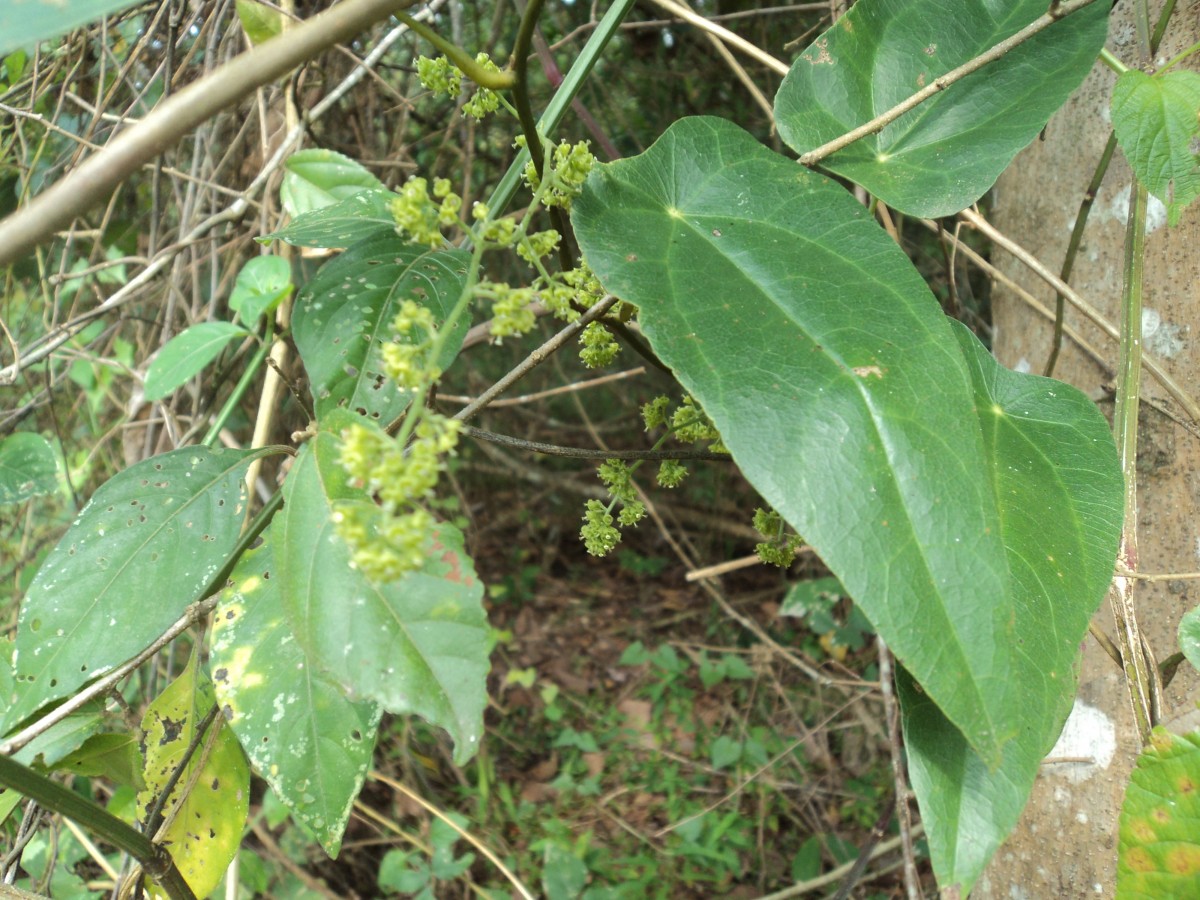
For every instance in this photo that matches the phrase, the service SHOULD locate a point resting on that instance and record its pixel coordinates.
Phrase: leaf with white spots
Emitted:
(341, 224)
(144, 547)
(343, 319)
(418, 645)
(206, 810)
(302, 734)
(28, 467)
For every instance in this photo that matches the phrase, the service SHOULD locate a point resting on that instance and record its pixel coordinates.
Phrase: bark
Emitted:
(1066, 843)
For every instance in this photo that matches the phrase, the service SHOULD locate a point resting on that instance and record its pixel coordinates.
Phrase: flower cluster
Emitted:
(388, 539)
(599, 533)
(422, 217)
(443, 77)
(599, 346)
(567, 167)
(780, 547)
(406, 359)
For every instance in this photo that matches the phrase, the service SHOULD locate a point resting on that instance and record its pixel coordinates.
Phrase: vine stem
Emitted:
(49, 794)
(534, 359)
(1057, 11)
(1081, 218)
(1142, 677)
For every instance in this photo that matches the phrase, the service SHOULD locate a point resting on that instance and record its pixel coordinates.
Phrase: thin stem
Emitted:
(496, 81)
(520, 64)
(1081, 218)
(1057, 11)
(1142, 678)
(1109, 59)
(1175, 60)
(561, 102)
(534, 359)
(155, 817)
(49, 794)
(1160, 28)
(584, 453)
(249, 373)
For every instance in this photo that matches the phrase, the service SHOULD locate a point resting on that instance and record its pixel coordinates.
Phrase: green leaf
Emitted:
(23, 25)
(1058, 486)
(62, 738)
(343, 318)
(315, 178)
(112, 756)
(1189, 636)
(564, 875)
(142, 549)
(28, 467)
(924, 478)
(726, 751)
(206, 809)
(359, 216)
(263, 283)
(186, 354)
(1160, 821)
(1156, 125)
(259, 21)
(942, 156)
(419, 645)
(806, 335)
(310, 743)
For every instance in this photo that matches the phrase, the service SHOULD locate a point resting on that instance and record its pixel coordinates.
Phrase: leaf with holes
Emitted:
(343, 318)
(149, 541)
(302, 734)
(1155, 119)
(942, 156)
(1159, 848)
(948, 496)
(315, 178)
(205, 811)
(262, 284)
(28, 467)
(187, 354)
(342, 224)
(418, 645)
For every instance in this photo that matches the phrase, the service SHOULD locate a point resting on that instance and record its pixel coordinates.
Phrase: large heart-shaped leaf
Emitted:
(343, 318)
(418, 645)
(942, 156)
(842, 393)
(808, 337)
(1058, 486)
(146, 544)
(311, 743)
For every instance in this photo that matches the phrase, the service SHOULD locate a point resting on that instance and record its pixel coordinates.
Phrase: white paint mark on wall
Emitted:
(1159, 336)
(1085, 747)
(1118, 209)
(1023, 365)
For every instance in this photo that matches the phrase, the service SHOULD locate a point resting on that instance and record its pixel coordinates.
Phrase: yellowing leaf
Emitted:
(206, 809)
